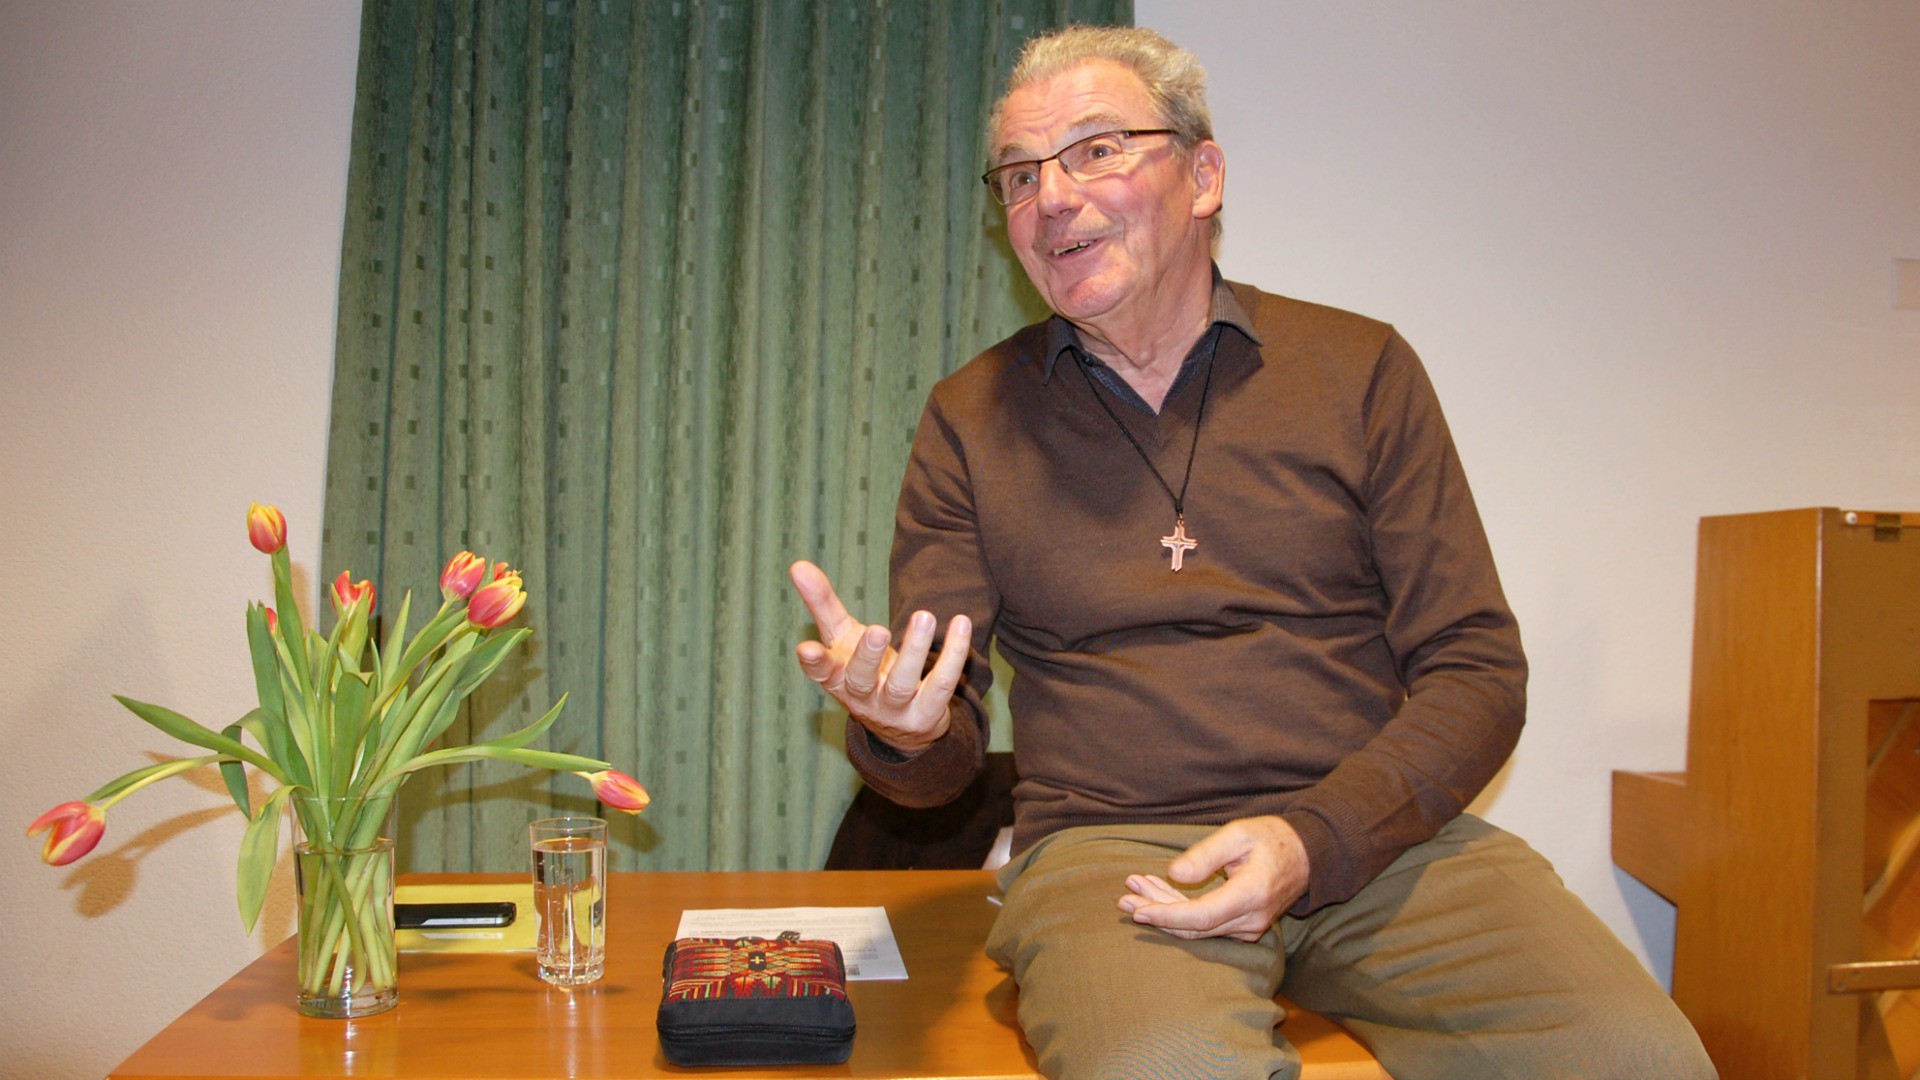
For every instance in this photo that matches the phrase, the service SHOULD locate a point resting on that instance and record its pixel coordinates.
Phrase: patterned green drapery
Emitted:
(645, 298)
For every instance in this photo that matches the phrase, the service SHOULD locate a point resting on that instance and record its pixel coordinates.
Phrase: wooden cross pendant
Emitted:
(1179, 543)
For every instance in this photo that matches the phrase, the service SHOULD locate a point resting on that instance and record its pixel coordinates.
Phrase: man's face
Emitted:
(1116, 250)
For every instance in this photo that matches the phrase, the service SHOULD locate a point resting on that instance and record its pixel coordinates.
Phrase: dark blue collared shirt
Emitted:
(1224, 311)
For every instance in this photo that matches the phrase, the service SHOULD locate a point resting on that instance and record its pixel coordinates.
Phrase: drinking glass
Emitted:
(570, 895)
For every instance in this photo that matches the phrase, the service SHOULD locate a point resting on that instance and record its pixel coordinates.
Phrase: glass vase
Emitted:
(343, 872)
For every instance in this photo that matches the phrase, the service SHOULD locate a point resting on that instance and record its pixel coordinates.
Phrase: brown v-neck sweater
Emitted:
(1337, 650)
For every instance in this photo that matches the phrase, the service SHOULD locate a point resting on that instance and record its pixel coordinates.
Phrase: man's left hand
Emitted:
(1266, 868)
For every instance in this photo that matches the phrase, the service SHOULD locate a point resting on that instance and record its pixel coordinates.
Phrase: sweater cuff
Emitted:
(932, 777)
(1324, 860)
(884, 751)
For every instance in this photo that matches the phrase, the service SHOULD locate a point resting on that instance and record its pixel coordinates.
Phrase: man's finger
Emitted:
(815, 660)
(862, 674)
(1157, 888)
(1205, 914)
(938, 687)
(830, 616)
(903, 677)
(1190, 916)
(1147, 889)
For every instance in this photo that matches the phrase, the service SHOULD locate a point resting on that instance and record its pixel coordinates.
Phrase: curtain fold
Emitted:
(645, 298)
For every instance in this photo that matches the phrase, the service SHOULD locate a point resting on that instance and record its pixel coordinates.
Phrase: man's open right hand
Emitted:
(879, 686)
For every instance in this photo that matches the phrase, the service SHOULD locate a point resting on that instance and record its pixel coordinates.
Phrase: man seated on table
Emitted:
(1264, 661)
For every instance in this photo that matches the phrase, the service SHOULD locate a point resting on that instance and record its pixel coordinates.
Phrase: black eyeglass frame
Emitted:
(1125, 133)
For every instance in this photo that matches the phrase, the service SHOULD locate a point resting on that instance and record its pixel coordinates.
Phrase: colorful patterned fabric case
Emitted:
(751, 1001)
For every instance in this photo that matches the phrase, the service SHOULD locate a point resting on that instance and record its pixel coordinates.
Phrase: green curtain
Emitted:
(645, 298)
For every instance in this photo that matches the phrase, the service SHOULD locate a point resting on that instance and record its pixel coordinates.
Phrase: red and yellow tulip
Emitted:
(462, 576)
(72, 829)
(266, 528)
(346, 591)
(498, 600)
(618, 790)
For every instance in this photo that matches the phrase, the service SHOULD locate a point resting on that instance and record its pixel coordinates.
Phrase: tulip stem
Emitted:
(131, 782)
(346, 921)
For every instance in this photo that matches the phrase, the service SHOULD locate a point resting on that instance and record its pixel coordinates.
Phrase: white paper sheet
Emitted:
(864, 935)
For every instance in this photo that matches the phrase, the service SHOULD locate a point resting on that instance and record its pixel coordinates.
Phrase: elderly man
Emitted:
(1263, 660)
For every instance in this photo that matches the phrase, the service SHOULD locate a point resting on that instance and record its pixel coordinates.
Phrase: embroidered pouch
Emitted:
(754, 1001)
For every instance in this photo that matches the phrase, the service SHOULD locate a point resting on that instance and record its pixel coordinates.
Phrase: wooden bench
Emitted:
(1327, 1051)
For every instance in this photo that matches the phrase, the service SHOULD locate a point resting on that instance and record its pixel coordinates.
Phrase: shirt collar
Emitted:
(1223, 308)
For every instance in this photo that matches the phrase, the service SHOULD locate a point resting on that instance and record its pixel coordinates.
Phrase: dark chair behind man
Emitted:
(879, 834)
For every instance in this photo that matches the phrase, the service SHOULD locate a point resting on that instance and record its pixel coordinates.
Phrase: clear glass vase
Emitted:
(343, 871)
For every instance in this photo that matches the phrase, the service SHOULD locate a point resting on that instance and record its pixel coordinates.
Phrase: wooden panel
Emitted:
(1752, 751)
(1648, 841)
(1870, 779)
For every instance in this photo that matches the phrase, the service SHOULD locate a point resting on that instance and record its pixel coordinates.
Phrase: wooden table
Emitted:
(489, 1016)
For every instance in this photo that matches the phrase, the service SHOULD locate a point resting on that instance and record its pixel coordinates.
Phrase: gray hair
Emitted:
(1176, 83)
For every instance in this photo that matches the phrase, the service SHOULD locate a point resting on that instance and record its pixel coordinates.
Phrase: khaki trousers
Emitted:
(1466, 959)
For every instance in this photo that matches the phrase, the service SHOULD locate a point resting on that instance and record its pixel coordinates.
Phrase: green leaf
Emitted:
(189, 732)
(433, 635)
(254, 723)
(299, 726)
(292, 629)
(389, 666)
(235, 775)
(367, 748)
(539, 759)
(399, 723)
(447, 711)
(270, 730)
(327, 665)
(482, 662)
(486, 659)
(426, 720)
(532, 731)
(259, 850)
(266, 679)
(293, 676)
(316, 650)
(350, 700)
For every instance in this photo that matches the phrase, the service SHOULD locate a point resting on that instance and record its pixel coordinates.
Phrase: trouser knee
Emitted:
(1632, 1044)
(1160, 1050)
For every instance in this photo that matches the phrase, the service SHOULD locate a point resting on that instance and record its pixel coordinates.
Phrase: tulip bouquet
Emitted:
(342, 723)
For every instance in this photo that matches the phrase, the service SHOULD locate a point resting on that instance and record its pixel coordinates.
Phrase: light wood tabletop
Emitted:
(488, 1017)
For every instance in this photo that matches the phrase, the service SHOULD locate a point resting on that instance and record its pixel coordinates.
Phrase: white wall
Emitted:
(172, 178)
(1645, 250)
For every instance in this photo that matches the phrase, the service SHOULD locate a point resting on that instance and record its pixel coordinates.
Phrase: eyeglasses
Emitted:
(1017, 181)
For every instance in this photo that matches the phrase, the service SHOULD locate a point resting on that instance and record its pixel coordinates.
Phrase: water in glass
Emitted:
(569, 889)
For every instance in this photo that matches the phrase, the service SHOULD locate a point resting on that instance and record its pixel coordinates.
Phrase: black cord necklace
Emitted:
(1179, 543)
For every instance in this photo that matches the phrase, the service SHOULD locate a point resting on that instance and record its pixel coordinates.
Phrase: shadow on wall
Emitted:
(109, 877)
